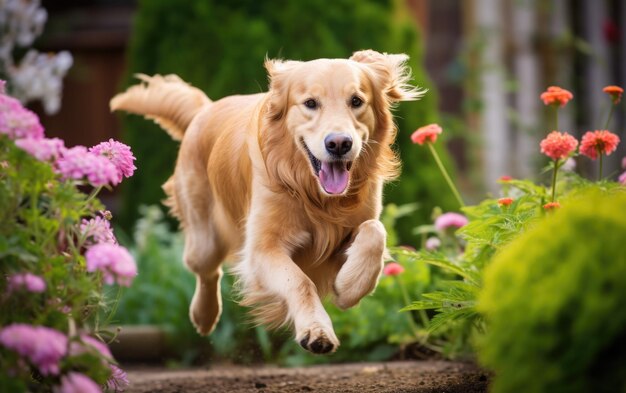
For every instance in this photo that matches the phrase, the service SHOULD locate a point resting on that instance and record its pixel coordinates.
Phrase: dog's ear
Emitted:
(390, 74)
(278, 74)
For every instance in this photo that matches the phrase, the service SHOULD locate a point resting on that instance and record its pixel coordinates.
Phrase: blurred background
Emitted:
(485, 63)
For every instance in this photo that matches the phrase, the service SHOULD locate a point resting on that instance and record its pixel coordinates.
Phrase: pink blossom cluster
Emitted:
(16, 121)
(90, 344)
(77, 163)
(97, 230)
(43, 149)
(115, 262)
(119, 154)
(75, 382)
(26, 281)
(118, 380)
(42, 346)
(103, 164)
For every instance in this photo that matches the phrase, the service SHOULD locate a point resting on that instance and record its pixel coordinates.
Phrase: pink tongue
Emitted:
(334, 177)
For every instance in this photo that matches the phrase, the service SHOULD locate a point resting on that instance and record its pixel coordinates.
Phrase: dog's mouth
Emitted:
(334, 175)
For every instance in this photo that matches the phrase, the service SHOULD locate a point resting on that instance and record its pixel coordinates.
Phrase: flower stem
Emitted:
(600, 166)
(556, 117)
(407, 301)
(93, 194)
(445, 174)
(608, 119)
(556, 169)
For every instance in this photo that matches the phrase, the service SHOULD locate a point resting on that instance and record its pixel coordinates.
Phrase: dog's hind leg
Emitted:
(203, 255)
(204, 249)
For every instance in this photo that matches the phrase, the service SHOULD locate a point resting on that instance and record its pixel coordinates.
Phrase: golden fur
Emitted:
(244, 185)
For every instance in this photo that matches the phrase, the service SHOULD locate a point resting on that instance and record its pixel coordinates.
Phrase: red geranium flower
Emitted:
(615, 92)
(556, 96)
(551, 205)
(599, 141)
(505, 201)
(425, 134)
(393, 269)
(558, 145)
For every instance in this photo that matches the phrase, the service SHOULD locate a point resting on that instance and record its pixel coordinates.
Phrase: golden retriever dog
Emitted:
(290, 181)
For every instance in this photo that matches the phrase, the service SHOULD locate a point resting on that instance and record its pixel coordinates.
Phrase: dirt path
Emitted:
(425, 376)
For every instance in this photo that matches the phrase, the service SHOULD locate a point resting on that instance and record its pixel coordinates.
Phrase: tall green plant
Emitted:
(219, 47)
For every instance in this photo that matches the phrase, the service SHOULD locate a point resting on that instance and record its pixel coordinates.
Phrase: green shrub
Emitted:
(219, 47)
(554, 301)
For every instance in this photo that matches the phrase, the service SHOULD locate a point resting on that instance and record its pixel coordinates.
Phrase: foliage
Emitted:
(51, 291)
(554, 300)
(494, 223)
(219, 47)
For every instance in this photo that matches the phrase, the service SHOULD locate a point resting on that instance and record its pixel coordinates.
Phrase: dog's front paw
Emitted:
(318, 340)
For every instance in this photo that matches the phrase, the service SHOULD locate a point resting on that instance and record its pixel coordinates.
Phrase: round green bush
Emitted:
(220, 47)
(555, 302)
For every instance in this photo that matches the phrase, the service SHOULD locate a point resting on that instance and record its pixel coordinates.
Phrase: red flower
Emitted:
(558, 145)
(393, 269)
(599, 141)
(505, 178)
(505, 201)
(425, 134)
(551, 205)
(615, 92)
(556, 96)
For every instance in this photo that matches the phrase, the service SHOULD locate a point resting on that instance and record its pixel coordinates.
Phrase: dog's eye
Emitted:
(356, 102)
(310, 103)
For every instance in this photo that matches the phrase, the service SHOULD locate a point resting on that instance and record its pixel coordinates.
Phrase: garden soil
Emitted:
(402, 376)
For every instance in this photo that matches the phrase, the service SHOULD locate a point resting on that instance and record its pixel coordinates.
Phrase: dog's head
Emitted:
(332, 110)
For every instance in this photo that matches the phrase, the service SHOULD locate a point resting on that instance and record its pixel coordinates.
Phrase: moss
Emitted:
(555, 302)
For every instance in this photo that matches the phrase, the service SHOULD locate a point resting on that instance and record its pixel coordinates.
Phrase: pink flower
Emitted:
(558, 145)
(119, 154)
(42, 346)
(450, 220)
(556, 96)
(426, 134)
(432, 243)
(393, 269)
(42, 149)
(28, 281)
(17, 121)
(118, 380)
(88, 343)
(115, 262)
(622, 178)
(599, 141)
(77, 163)
(75, 382)
(97, 230)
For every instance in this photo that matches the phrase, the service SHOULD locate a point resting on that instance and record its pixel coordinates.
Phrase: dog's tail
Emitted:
(168, 100)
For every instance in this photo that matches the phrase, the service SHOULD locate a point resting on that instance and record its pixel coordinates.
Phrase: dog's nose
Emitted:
(338, 144)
